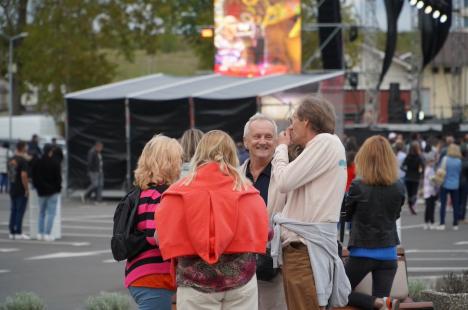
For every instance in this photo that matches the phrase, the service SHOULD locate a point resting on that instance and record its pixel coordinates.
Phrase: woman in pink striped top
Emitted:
(147, 275)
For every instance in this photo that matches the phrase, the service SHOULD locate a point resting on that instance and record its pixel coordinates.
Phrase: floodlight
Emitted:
(436, 14)
(420, 5)
(443, 18)
(428, 9)
(413, 2)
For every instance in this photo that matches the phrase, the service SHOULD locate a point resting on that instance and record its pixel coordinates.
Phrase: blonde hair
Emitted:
(159, 162)
(453, 150)
(189, 142)
(376, 163)
(217, 146)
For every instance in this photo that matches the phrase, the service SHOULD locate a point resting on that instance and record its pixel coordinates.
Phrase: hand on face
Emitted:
(285, 137)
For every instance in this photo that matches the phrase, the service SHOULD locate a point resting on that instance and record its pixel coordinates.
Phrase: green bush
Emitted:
(453, 283)
(23, 301)
(108, 301)
(415, 288)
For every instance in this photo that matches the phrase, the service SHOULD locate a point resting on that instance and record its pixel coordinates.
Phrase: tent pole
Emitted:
(127, 138)
(192, 112)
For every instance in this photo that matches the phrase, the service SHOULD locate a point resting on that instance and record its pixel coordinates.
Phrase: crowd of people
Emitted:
(262, 234)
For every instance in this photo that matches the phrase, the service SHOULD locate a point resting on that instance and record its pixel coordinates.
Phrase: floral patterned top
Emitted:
(231, 271)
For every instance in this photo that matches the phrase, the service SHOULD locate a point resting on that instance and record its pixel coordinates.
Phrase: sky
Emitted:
(404, 22)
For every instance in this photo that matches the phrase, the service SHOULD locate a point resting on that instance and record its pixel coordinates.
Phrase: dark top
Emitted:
(373, 211)
(47, 176)
(263, 181)
(16, 165)
(413, 165)
(94, 161)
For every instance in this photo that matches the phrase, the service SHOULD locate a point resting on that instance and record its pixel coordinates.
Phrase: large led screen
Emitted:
(257, 37)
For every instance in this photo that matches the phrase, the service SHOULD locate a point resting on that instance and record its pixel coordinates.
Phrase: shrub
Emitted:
(108, 301)
(23, 301)
(415, 288)
(454, 283)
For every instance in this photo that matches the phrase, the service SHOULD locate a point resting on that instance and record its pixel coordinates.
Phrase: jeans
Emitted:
(47, 208)
(454, 194)
(151, 298)
(18, 207)
(383, 272)
(97, 183)
(3, 182)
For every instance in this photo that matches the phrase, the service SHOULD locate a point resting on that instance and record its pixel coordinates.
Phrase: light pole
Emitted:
(10, 78)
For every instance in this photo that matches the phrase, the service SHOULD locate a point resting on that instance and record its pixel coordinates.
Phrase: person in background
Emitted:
(4, 156)
(260, 138)
(147, 275)
(242, 152)
(463, 186)
(189, 142)
(453, 167)
(34, 149)
(373, 205)
(413, 165)
(400, 155)
(19, 190)
(47, 180)
(57, 151)
(95, 173)
(214, 222)
(430, 191)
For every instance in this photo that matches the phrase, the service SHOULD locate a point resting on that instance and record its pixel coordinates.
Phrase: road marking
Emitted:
(90, 221)
(8, 250)
(109, 235)
(4, 270)
(412, 226)
(37, 242)
(86, 227)
(439, 259)
(88, 217)
(434, 251)
(67, 255)
(436, 269)
(109, 261)
(461, 243)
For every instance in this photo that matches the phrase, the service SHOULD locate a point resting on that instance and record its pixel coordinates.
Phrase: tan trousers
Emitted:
(241, 298)
(298, 277)
(271, 294)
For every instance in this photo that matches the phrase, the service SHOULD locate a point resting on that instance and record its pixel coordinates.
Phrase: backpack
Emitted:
(127, 242)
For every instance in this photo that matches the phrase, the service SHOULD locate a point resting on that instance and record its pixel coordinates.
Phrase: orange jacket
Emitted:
(208, 218)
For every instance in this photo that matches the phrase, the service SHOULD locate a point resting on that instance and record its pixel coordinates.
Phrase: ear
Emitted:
(245, 143)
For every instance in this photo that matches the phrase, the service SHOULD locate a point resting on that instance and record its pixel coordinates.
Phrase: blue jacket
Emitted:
(453, 169)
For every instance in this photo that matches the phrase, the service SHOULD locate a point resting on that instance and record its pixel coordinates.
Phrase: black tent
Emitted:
(125, 115)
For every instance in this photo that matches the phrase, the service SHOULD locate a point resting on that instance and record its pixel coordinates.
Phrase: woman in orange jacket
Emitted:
(213, 222)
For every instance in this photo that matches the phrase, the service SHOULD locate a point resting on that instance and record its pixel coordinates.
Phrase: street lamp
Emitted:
(10, 77)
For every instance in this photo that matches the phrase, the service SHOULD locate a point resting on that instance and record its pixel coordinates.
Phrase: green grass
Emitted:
(175, 63)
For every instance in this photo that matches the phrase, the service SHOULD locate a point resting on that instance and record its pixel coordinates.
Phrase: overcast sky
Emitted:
(404, 22)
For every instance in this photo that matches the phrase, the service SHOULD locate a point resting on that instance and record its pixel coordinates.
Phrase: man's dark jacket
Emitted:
(47, 176)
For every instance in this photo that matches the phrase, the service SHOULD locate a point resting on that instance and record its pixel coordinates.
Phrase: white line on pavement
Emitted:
(438, 259)
(67, 254)
(109, 261)
(412, 226)
(8, 250)
(45, 242)
(435, 251)
(109, 235)
(436, 269)
(461, 243)
(4, 270)
(85, 227)
(89, 221)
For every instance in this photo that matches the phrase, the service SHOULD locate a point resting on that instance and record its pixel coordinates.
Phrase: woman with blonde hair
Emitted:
(147, 276)
(189, 142)
(373, 205)
(213, 221)
(451, 185)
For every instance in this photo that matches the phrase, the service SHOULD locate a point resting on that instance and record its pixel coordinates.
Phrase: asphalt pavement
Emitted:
(64, 273)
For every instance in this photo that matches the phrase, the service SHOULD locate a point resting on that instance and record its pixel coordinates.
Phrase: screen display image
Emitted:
(257, 37)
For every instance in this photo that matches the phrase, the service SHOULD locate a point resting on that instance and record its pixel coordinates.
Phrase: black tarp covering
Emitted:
(89, 121)
(227, 115)
(169, 117)
(393, 8)
(332, 54)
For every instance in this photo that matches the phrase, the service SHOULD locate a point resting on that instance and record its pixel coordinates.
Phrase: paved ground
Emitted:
(66, 272)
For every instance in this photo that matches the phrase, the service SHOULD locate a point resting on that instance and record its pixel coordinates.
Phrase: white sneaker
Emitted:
(433, 227)
(49, 238)
(11, 237)
(455, 227)
(25, 237)
(441, 227)
(40, 237)
(426, 226)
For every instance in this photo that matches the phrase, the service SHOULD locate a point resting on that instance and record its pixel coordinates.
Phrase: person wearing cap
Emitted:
(47, 179)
